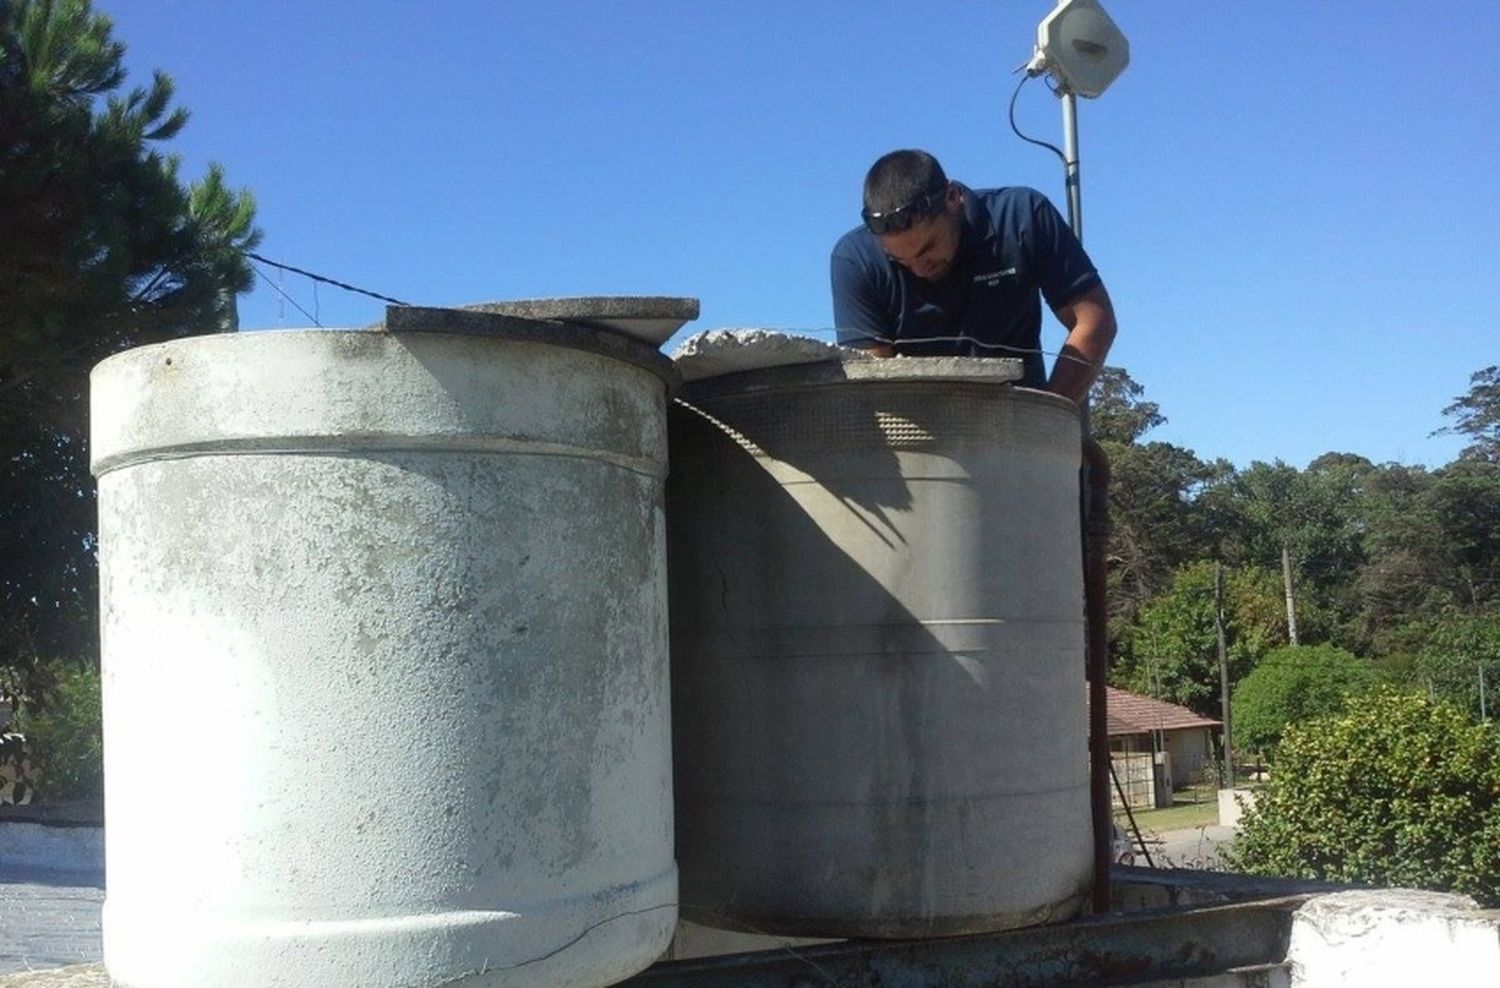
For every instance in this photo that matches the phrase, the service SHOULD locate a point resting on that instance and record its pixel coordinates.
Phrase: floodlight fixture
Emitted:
(1080, 47)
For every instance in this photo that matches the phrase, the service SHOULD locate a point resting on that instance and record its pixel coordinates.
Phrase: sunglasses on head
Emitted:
(907, 216)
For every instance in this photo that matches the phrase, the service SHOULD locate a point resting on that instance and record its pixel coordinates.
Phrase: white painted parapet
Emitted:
(1394, 938)
(389, 610)
(24, 844)
(1234, 804)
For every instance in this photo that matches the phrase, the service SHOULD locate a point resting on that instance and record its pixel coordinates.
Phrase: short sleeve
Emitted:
(1063, 269)
(858, 313)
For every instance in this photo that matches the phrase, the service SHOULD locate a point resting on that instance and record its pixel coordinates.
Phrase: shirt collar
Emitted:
(976, 220)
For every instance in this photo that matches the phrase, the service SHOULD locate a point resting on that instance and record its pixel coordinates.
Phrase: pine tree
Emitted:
(103, 247)
(1478, 415)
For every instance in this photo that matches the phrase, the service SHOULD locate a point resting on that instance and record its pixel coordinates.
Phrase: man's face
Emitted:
(929, 248)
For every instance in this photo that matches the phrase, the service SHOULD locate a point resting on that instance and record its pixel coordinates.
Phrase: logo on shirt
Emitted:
(990, 279)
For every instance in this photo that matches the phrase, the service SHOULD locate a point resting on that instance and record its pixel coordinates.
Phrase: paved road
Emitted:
(48, 918)
(1196, 848)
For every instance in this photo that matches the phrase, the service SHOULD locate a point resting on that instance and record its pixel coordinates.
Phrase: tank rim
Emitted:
(1001, 372)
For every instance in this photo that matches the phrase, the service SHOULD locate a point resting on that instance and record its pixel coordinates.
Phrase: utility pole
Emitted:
(1291, 607)
(1483, 714)
(1223, 672)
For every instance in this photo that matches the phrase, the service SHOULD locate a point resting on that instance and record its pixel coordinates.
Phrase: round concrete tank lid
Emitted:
(502, 326)
(717, 352)
(863, 370)
(649, 318)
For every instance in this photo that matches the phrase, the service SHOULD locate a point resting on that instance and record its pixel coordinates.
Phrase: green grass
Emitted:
(1183, 814)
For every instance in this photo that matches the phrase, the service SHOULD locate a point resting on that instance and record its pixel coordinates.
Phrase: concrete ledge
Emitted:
(1395, 937)
(78, 976)
(1369, 937)
(1133, 889)
(44, 845)
(1138, 949)
(77, 813)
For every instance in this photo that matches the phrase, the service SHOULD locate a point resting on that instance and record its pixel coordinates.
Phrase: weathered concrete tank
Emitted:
(385, 657)
(878, 650)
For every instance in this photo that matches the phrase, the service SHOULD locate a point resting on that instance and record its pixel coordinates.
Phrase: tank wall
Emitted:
(420, 748)
(878, 659)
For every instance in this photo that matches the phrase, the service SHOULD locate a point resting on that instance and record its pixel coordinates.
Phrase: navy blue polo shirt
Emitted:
(1015, 249)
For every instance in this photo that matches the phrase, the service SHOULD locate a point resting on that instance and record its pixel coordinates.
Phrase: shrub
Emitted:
(1291, 685)
(1402, 790)
(64, 739)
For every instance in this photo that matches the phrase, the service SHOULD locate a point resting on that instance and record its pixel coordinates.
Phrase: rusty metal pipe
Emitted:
(1096, 622)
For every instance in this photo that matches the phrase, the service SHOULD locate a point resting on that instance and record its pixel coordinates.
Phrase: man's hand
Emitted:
(1090, 321)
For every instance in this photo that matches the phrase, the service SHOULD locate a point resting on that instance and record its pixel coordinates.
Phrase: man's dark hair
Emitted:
(901, 178)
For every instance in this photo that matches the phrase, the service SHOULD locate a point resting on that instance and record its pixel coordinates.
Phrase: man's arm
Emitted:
(858, 315)
(1090, 322)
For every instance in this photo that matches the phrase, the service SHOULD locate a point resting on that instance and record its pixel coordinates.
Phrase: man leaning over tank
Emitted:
(939, 269)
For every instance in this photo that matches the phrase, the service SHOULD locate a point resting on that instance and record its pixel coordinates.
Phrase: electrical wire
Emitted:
(283, 294)
(326, 280)
(1031, 140)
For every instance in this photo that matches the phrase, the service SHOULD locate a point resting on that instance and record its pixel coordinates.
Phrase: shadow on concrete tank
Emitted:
(877, 642)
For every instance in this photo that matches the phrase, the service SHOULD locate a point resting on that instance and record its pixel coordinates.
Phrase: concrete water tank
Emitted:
(385, 657)
(878, 650)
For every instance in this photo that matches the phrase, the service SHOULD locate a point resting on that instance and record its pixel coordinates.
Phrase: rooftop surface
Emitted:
(1131, 713)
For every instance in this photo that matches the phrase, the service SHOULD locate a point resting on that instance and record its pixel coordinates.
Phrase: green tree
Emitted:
(1458, 650)
(1400, 580)
(65, 741)
(1291, 685)
(1156, 522)
(1477, 415)
(1464, 503)
(103, 248)
(1337, 490)
(1171, 652)
(1316, 517)
(1117, 411)
(1434, 543)
(1401, 790)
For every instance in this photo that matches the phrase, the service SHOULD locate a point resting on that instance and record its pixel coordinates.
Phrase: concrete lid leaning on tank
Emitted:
(475, 321)
(649, 318)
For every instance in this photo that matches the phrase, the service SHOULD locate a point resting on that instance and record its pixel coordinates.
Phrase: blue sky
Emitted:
(1295, 206)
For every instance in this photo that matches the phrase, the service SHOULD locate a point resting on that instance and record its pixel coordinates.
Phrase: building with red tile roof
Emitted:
(1157, 746)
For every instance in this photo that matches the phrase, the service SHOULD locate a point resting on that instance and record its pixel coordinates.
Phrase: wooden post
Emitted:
(1291, 607)
(1223, 673)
